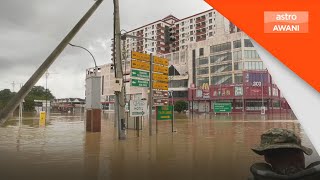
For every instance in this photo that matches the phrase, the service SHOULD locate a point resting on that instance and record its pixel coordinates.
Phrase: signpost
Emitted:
(140, 74)
(138, 108)
(160, 77)
(140, 65)
(160, 102)
(162, 61)
(140, 56)
(139, 83)
(164, 113)
(160, 94)
(160, 69)
(150, 71)
(222, 107)
(160, 85)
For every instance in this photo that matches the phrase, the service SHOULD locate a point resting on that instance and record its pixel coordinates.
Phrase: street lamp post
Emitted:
(94, 60)
(93, 122)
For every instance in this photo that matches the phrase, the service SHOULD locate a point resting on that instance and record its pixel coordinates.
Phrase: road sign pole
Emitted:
(150, 96)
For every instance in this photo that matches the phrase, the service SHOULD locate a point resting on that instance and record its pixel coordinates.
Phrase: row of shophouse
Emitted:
(211, 61)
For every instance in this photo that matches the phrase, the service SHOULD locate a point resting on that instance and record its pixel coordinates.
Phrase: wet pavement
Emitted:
(206, 146)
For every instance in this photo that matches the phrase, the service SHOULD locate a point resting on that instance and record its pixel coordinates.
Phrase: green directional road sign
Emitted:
(140, 74)
(222, 107)
(164, 113)
(139, 83)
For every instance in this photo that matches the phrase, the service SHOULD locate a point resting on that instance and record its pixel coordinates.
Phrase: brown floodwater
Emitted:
(206, 146)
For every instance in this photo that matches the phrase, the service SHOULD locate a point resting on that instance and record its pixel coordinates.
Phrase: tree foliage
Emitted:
(36, 93)
(180, 106)
(5, 96)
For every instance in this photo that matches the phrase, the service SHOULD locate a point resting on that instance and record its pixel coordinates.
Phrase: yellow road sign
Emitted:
(140, 65)
(159, 85)
(140, 56)
(160, 69)
(42, 120)
(160, 77)
(162, 61)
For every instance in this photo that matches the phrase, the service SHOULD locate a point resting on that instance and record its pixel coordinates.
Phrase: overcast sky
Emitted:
(30, 30)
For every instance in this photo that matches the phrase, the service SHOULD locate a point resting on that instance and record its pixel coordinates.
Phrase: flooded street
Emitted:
(205, 147)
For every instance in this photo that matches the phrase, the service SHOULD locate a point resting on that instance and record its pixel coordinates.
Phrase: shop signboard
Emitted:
(238, 90)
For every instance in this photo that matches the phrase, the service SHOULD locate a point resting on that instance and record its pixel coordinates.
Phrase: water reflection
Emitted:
(207, 147)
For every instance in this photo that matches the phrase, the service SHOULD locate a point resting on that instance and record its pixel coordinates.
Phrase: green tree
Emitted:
(36, 93)
(5, 96)
(180, 106)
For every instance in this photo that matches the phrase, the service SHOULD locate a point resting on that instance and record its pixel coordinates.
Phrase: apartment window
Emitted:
(182, 24)
(221, 68)
(210, 34)
(191, 32)
(152, 43)
(183, 35)
(237, 44)
(238, 66)
(183, 41)
(201, 52)
(210, 21)
(146, 46)
(203, 61)
(237, 55)
(210, 27)
(152, 49)
(220, 47)
(201, 81)
(191, 26)
(145, 34)
(253, 65)
(222, 79)
(238, 78)
(210, 14)
(191, 38)
(182, 29)
(251, 54)
(152, 26)
(220, 58)
(152, 33)
(248, 43)
(202, 71)
(191, 20)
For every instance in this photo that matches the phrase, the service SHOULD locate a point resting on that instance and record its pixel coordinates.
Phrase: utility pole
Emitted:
(47, 75)
(120, 99)
(14, 102)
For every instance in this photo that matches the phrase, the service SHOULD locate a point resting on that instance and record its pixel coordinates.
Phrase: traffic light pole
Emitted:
(119, 75)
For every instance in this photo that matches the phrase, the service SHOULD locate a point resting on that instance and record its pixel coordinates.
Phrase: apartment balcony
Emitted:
(200, 32)
(200, 26)
(200, 19)
(201, 38)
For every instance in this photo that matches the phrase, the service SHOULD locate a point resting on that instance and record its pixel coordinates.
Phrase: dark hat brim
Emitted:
(260, 150)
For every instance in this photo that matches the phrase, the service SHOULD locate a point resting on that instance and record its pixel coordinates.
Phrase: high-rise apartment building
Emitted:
(207, 51)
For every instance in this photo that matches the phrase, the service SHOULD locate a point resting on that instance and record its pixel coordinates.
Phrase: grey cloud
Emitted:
(30, 30)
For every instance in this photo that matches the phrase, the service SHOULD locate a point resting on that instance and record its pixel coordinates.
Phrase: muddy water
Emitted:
(203, 147)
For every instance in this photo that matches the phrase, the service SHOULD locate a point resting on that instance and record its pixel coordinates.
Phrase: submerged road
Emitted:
(207, 147)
